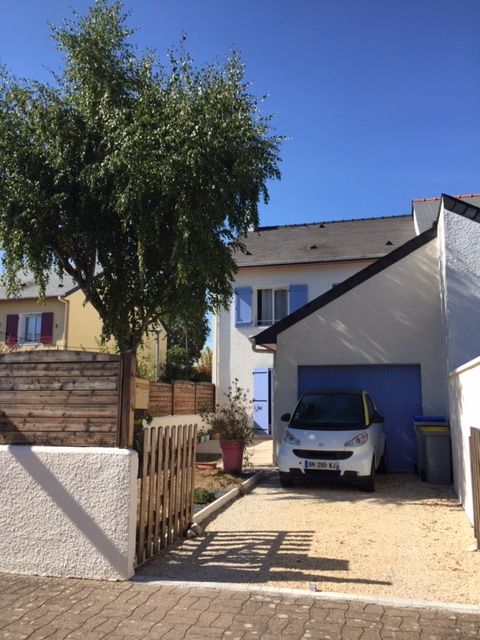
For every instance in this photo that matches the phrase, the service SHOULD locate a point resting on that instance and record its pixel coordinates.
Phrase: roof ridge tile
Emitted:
(319, 222)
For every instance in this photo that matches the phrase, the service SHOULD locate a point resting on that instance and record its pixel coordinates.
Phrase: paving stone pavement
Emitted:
(36, 608)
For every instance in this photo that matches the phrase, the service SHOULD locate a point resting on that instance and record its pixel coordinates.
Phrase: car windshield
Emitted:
(329, 411)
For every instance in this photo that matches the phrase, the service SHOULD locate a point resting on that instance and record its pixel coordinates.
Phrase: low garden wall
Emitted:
(68, 511)
(464, 384)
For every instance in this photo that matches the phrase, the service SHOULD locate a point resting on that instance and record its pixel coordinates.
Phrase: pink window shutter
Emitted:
(11, 330)
(46, 331)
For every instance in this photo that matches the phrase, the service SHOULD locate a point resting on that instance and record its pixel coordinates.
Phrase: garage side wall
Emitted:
(459, 239)
(464, 384)
(392, 318)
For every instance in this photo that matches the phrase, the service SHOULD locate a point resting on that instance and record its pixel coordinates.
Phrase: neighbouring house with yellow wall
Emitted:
(64, 321)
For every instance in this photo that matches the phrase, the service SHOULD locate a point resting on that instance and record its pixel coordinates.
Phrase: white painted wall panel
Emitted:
(459, 240)
(68, 511)
(464, 385)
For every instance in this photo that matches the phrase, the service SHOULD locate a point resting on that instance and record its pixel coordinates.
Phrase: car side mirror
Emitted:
(285, 417)
(377, 418)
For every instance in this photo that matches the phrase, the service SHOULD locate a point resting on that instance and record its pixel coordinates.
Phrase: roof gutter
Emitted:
(264, 348)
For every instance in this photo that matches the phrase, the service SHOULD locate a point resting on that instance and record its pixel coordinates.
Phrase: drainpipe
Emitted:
(157, 353)
(66, 319)
(217, 351)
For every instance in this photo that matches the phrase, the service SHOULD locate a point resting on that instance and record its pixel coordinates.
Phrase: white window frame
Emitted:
(22, 321)
(273, 290)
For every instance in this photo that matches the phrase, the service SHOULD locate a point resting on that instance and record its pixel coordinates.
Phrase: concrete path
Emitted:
(61, 609)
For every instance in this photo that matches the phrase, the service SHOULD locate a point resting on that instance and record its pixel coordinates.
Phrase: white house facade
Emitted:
(282, 270)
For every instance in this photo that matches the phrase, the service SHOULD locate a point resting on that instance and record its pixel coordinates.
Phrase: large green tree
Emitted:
(135, 179)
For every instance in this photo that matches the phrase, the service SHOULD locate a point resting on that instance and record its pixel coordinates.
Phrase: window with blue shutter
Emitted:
(298, 296)
(243, 306)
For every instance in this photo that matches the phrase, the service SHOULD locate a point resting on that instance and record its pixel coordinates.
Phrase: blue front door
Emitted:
(395, 389)
(261, 399)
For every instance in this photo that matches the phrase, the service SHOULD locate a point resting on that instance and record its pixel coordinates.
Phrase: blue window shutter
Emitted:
(243, 307)
(297, 296)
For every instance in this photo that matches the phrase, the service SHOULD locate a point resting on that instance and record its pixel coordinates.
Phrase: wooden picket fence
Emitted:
(475, 466)
(166, 484)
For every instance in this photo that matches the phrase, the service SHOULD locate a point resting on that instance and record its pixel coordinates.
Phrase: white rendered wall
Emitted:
(68, 511)
(233, 354)
(392, 318)
(464, 385)
(459, 247)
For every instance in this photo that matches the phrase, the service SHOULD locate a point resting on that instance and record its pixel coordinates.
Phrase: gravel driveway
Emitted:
(408, 540)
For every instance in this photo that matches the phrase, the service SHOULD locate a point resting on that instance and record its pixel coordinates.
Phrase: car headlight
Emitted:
(357, 441)
(289, 438)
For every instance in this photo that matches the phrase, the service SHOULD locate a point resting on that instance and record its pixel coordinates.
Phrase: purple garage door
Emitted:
(395, 389)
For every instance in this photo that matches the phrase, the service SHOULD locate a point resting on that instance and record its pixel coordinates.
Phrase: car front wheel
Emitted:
(368, 483)
(285, 479)
(382, 467)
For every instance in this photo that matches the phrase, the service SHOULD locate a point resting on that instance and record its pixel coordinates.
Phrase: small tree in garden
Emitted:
(186, 338)
(203, 366)
(135, 179)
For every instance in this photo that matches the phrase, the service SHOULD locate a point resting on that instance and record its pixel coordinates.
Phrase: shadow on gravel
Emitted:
(391, 488)
(249, 557)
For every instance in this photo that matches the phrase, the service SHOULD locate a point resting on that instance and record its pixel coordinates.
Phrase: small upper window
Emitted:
(31, 330)
(272, 306)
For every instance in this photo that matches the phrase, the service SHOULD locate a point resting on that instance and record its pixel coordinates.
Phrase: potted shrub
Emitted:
(232, 423)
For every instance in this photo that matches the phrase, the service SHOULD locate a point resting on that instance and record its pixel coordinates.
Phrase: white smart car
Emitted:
(332, 434)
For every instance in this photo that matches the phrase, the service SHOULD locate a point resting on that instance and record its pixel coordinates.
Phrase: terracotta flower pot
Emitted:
(232, 455)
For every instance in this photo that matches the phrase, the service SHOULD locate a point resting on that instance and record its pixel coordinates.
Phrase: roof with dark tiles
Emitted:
(335, 241)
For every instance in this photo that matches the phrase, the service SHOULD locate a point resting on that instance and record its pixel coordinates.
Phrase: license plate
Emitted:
(321, 464)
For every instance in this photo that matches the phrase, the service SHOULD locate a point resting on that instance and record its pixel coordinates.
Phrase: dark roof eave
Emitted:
(30, 298)
(72, 290)
(269, 336)
(461, 208)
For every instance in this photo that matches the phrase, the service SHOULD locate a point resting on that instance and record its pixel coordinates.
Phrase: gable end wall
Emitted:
(392, 318)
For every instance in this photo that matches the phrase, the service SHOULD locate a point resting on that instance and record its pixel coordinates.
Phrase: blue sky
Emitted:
(380, 99)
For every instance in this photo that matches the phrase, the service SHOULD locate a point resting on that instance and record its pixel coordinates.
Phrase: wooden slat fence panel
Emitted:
(160, 399)
(166, 483)
(182, 397)
(205, 398)
(475, 467)
(70, 398)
